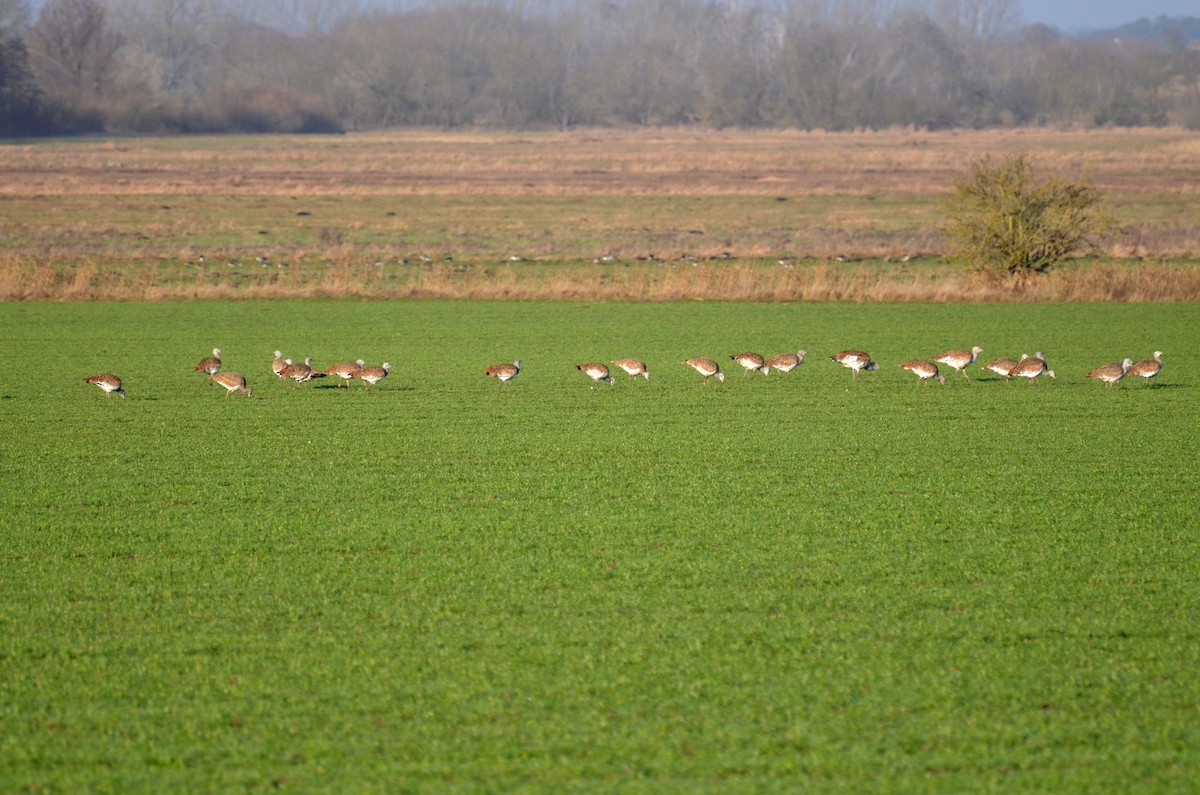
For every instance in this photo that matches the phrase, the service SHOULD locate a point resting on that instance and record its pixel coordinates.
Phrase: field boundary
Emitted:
(582, 215)
(754, 281)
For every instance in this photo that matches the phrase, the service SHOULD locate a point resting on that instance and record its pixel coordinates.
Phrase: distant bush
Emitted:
(1188, 111)
(261, 109)
(1003, 219)
(73, 117)
(20, 97)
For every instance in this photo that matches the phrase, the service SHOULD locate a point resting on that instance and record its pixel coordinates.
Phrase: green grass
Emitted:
(770, 584)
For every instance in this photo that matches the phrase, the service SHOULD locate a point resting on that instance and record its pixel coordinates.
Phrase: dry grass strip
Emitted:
(651, 281)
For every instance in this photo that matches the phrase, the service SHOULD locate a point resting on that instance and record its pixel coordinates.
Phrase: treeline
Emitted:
(322, 65)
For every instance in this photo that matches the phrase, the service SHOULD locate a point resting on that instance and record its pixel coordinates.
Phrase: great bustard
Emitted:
(1147, 368)
(345, 370)
(210, 365)
(786, 362)
(503, 372)
(597, 372)
(300, 372)
(751, 361)
(959, 359)
(705, 367)
(855, 360)
(634, 367)
(1032, 367)
(233, 382)
(1112, 372)
(279, 363)
(108, 382)
(924, 370)
(373, 375)
(1002, 366)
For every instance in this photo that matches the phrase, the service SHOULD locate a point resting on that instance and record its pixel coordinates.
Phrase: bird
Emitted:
(210, 365)
(1002, 367)
(108, 382)
(924, 370)
(786, 362)
(1112, 372)
(1147, 368)
(373, 375)
(751, 361)
(1032, 367)
(705, 367)
(634, 367)
(855, 360)
(503, 372)
(345, 370)
(959, 359)
(596, 371)
(300, 372)
(279, 363)
(233, 382)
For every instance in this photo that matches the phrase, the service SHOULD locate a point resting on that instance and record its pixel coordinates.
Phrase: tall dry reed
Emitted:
(25, 280)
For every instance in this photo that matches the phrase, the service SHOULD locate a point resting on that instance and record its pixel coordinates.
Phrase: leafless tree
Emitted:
(74, 54)
(170, 42)
(14, 18)
(975, 20)
(834, 64)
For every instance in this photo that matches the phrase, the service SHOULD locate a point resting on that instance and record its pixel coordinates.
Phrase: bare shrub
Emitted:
(1001, 217)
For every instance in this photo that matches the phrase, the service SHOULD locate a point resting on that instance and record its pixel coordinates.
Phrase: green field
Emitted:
(771, 584)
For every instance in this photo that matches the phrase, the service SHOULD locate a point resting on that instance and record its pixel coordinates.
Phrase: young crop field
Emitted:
(773, 583)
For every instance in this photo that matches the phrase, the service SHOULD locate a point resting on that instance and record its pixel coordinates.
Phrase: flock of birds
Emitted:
(285, 369)
(1028, 367)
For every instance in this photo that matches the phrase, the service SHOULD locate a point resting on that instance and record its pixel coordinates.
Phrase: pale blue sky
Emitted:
(1091, 14)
